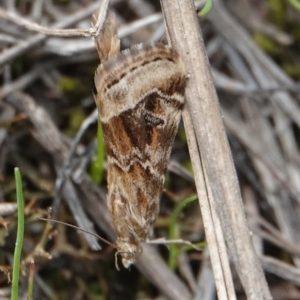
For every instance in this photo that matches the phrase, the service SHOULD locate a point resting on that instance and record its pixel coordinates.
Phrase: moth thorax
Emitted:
(129, 251)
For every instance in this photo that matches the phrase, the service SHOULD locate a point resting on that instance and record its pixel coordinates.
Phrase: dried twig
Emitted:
(30, 42)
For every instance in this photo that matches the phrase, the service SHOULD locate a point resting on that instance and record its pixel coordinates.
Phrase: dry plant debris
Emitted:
(48, 129)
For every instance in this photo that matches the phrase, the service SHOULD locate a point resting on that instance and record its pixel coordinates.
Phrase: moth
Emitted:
(140, 97)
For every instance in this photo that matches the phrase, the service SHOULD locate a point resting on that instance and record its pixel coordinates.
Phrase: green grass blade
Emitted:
(20, 236)
(174, 251)
(97, 166)
(206, 9)
(295, 3)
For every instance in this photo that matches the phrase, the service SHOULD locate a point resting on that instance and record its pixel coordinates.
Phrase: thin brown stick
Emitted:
(26, 45)
(40, 29)
(17, 19)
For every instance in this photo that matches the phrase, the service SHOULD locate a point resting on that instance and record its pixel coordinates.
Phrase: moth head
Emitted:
(129, 251)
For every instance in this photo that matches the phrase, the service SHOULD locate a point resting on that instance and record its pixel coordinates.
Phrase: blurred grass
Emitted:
(174, 234)
(97, 165)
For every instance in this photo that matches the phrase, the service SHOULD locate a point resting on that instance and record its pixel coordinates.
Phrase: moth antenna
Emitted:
(78, 228)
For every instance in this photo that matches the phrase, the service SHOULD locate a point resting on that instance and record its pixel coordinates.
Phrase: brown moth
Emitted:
(140, 96)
